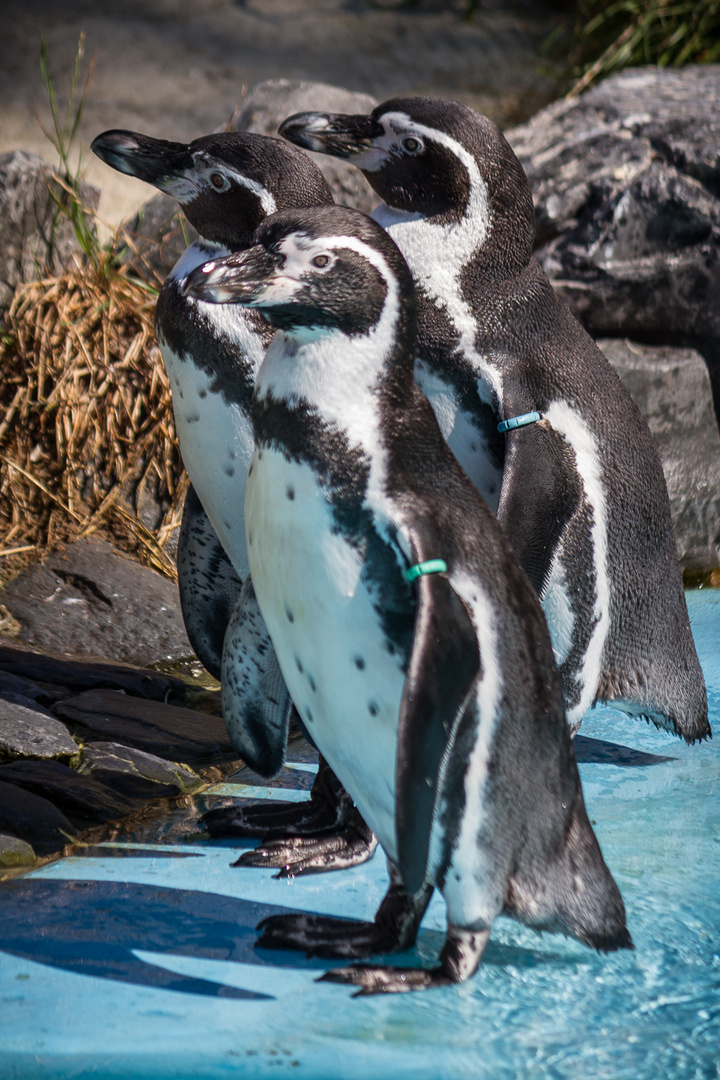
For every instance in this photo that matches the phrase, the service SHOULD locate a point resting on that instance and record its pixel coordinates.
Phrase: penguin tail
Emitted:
(573, 892)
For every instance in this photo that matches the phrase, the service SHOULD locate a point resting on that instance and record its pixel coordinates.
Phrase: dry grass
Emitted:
(86, 425)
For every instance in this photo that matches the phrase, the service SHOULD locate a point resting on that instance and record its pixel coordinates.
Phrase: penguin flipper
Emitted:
(255, 700)
(444, 664)
(208, 583)
(540, 492)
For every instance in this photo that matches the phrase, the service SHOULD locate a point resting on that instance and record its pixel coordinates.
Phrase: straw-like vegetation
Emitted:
(85, 418)
(605, 36)
(87, 438)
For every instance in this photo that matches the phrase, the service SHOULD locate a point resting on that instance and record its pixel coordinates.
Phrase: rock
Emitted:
(672, 390)
(12, 685)
(33, 733)
(71, 675)
(153, 241)
(167, 731)
(137, 773)
(269, 103)
(77, 795)
(36, 237)
(91, 601)
(15, 853)
(626, 180)
(33, 819)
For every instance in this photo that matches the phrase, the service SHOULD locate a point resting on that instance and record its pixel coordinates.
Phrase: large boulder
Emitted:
(36, 236)
(672, 390)
(90, 601)
(626, 181)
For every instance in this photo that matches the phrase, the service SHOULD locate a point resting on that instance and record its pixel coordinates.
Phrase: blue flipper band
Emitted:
(430, 566)
(518, 421)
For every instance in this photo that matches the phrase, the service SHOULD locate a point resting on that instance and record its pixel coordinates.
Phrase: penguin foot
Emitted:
(393, 929)
(459, 960)
(325, 937)
(387, 980)
(329, 809)
(294, 855)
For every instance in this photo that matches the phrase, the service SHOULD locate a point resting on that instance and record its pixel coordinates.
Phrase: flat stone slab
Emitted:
(15, 685)
(33, 733)
(91, 601)
(33, 819)
(168, 731)
(135, 772)
(15, 853)
(87, 675)
(74, 793)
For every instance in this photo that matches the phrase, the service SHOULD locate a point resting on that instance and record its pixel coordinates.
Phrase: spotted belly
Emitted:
(343, 678)
(216, 443)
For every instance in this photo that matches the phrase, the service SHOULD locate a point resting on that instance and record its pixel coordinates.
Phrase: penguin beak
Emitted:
(241, 278)
(155, 161)
(339, 134)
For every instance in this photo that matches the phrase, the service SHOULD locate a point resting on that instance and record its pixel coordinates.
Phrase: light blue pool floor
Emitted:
(136, 958)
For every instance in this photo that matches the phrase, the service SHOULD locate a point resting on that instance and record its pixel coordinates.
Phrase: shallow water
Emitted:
(136, 959)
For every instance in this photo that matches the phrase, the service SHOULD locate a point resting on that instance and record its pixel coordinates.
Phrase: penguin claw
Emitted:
(377, 979)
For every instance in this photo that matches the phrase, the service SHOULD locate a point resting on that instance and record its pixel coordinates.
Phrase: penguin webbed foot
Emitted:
(393, 929)
(296, 854)
(324, 937)
(269, 821)
(459, 960)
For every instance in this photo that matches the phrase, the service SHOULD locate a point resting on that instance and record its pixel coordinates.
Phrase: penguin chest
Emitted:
(216, 443)
(342, 674)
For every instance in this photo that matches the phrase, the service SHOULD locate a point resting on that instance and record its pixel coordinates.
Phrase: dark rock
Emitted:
(672, 390)
(33, 732)
(269, 103)
(91, 601)
(167, 731)
(626, 180)
(15, 853)
(77, 795)
(153, 241)
(33, 819)
(36, 237)
(73, 675)
(136, 773)
(12, 684)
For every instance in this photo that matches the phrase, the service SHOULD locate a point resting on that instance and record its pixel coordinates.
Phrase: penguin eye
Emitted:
(321, 260)
(411, 145)
(219, 181)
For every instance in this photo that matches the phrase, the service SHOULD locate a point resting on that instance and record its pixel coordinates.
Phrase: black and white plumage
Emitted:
(437, 703)
(226, 184)
(582, 495)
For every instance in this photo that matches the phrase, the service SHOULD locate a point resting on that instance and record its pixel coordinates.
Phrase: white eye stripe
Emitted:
(267, 201)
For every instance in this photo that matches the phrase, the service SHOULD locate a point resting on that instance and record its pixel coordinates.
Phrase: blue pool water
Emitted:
(136, 959)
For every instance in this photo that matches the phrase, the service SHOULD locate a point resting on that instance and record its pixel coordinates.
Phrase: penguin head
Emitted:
(429, 156)
(226, 183)
(314, 272)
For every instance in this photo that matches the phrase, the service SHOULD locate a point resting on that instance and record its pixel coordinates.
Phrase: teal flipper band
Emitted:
(430, 566)
(518, 421)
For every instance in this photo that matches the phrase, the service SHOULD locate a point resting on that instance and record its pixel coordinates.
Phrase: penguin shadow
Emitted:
(95, 928)
(599, 752)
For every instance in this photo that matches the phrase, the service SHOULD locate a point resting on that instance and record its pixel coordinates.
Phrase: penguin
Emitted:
(226, 184)
(401, 617)
(578, 485)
